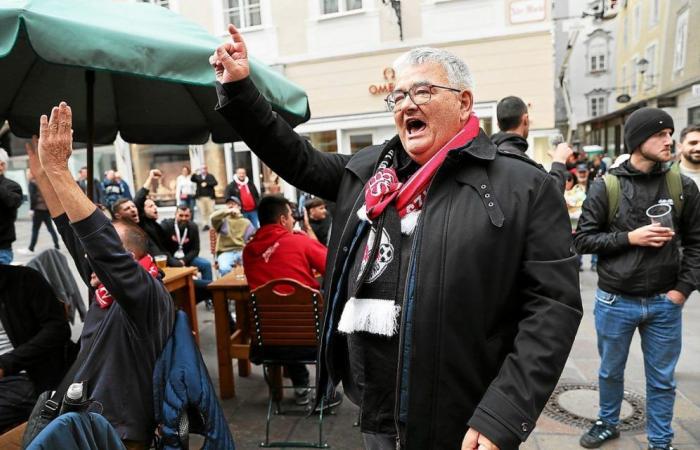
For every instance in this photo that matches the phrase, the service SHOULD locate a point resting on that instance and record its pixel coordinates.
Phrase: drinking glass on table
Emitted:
(161, 261)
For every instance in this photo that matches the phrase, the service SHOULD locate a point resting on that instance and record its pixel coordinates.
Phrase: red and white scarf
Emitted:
(102, 296)
(374, 305)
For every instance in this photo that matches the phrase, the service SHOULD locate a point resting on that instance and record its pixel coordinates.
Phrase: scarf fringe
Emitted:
(409, 222)
(372, 315)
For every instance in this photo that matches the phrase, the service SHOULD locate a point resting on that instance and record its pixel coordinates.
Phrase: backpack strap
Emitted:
(612, 187)
(674, 184)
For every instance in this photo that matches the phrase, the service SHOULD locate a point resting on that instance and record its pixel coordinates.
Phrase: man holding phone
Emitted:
(644, 277)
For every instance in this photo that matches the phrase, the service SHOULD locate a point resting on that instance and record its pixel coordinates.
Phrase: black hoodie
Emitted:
(633, 270)
(516, 144)
(510, 142)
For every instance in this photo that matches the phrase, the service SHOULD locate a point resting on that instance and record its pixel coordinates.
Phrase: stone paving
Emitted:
(246, 412)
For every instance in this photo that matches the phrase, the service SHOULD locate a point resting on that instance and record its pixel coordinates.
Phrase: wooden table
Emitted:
(232, 286)
(178, 281)
(12, 440)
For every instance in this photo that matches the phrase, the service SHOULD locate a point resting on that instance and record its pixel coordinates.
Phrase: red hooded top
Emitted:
(275, 252)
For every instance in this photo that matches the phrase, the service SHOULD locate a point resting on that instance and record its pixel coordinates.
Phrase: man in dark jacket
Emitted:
(159, 241)
(205, 194)
(184, 241)
(514, 123)
(243, 187)
(450, 310)
(40, 215)
(646, 272)
(319, 219)
(10, 201)
(131, 314)
(34, 335)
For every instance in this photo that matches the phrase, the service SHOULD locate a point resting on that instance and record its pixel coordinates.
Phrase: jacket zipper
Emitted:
(397, 393)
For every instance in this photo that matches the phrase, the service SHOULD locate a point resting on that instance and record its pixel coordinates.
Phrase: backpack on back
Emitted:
(674, 184)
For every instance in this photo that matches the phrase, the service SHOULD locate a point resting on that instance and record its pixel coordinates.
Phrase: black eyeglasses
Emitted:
(419, 94)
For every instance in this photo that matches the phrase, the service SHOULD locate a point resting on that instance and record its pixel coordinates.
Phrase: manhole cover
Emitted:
(576, 404)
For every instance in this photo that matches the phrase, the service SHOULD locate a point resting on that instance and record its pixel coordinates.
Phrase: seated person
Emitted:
(319, 219)
(125, 209)
(148, 221)
(34, 338)
(276, 251)
(233, 230)
(132, 315)
(184, 240)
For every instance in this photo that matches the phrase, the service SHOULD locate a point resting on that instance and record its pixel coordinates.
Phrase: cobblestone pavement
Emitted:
(246, 413)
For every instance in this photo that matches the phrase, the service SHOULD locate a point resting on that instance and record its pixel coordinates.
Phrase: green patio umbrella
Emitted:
(133, 68)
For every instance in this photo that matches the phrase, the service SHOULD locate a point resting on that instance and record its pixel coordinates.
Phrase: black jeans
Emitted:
(39, 217)
(299, 374)
(17, 398)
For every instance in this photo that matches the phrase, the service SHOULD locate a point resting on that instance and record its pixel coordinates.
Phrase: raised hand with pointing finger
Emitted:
(230, 60)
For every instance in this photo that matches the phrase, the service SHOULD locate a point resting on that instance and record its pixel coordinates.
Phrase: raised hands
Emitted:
(230, 60)
(33, 154)
(56, 138)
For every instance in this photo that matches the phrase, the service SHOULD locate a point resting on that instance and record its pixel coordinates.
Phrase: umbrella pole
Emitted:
(90, 115)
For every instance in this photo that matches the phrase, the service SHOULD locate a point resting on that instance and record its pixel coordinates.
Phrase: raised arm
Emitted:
(269, 136)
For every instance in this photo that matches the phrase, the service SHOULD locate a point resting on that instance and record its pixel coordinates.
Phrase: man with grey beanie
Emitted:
(647, 268)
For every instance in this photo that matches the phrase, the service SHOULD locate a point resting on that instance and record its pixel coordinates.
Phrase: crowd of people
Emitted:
(432, 362)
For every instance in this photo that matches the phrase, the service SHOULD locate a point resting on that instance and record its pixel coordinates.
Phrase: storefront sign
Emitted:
(523, 11)
(387, 86)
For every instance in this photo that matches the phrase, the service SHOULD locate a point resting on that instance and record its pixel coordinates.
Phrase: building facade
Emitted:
(341, 52)
(658, 65)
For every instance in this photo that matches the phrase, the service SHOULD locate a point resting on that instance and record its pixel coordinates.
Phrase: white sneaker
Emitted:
(25, 251)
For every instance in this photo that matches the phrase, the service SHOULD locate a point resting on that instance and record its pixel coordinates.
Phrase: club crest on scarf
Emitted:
(385, 254)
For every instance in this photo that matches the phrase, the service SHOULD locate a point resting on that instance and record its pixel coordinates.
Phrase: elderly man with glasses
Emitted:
(451, 287)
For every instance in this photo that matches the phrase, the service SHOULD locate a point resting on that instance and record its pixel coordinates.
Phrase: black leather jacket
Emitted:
(632, 270)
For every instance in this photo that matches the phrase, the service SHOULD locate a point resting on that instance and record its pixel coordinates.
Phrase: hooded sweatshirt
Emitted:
(275, 252)
(510, 142)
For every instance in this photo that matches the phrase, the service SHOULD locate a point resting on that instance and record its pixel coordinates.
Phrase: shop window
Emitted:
(325, 141)
(169, 159)
(339, 6)
(242, 13)
(359, 141)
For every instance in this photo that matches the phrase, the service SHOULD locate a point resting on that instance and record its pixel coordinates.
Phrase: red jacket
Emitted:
(275, 252)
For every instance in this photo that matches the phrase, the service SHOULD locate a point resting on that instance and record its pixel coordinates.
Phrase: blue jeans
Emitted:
(659, 323)
(227, 260)
(204, 266)
(6, 255)
(253, 217)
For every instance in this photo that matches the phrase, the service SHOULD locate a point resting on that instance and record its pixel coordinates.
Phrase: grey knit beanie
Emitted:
(642, 124)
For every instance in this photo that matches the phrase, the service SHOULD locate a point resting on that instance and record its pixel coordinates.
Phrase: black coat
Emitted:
(36, 324)
(233, 190)
(10, 201)
(158, 239)
(496, 297)
(209, 182)
(190, 246)
(632, 270)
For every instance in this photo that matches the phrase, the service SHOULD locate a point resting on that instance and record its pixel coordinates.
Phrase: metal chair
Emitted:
(285, 327)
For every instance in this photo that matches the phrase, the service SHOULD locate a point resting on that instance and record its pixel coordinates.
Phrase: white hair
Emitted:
(4, 157)
(457, 71)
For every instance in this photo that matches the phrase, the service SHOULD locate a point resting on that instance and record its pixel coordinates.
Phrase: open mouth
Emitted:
(414, 126)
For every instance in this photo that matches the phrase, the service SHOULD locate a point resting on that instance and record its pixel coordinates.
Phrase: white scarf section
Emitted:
(372, 315)
(241, 183)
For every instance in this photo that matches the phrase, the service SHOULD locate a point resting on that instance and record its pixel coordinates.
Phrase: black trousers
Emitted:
(39, 217)
(17, 398)
(299, 374)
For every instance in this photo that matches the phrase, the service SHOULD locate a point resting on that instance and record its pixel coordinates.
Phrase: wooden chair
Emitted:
(285, 327)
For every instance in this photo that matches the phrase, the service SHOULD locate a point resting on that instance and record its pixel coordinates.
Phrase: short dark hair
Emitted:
(135, 239)
(689, 129)
(183, 207)
(271, 207)
(313, 203)
(509, 112)
(116, 205)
